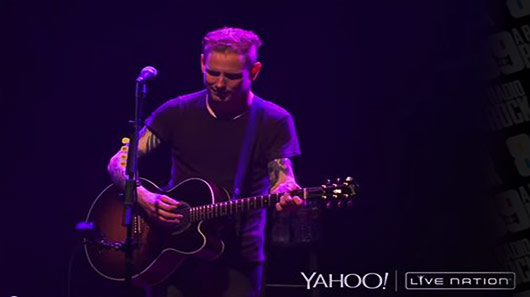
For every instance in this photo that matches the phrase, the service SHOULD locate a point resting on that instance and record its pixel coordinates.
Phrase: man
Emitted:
(205, 132)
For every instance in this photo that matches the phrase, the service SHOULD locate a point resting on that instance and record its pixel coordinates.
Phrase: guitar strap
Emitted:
(247, 150)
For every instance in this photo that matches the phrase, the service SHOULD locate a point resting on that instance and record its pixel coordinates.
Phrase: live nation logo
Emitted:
(460, 280)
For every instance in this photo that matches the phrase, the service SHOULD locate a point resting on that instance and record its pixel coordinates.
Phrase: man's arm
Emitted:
(156, 206)
(282, 179)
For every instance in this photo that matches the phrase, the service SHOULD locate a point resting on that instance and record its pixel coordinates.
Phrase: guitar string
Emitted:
(198, 213)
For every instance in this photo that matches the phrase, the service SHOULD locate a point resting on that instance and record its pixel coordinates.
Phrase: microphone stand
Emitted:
(131, 184)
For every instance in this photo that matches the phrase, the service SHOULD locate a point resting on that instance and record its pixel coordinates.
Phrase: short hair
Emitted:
(244, 42)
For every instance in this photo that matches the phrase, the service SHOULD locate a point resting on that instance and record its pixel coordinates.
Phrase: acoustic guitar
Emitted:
(160, 250)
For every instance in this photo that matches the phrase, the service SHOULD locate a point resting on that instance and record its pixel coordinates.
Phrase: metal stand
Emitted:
(132, 183)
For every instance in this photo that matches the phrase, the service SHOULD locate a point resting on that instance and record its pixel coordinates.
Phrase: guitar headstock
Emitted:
(339, 193)
(124, 150)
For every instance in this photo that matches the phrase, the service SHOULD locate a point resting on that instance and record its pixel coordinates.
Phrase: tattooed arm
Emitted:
(156, 206)
(282, 180)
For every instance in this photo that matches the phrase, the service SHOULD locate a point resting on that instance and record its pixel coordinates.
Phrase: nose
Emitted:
(220, 81)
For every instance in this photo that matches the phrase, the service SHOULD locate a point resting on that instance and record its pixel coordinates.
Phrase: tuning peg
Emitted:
(328, 182)
(334, 196)
(338, 180)
(345, 195)
(349, 179)
(125, 140)
(324, 197)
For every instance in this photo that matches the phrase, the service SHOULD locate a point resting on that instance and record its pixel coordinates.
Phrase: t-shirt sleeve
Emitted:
(162, 121)
(284, 140)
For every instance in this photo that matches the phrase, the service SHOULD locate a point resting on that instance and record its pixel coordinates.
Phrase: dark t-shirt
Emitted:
(206, 147)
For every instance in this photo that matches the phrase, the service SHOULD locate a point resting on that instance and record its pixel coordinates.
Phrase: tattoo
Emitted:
(150, 140)
(280, 171)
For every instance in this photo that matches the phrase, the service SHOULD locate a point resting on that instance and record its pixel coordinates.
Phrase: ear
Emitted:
(203, 67)
(254, 71)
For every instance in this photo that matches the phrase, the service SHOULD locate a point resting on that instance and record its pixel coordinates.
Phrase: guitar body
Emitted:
(159, 250)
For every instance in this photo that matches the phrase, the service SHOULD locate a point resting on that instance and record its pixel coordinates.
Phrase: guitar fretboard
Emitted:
(226, 208)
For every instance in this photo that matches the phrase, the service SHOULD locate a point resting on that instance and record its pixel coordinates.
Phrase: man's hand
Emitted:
(159, 207)
(282, 180)
(286, 201)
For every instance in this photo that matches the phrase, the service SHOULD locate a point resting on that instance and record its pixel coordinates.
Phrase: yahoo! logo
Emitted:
(371, 280)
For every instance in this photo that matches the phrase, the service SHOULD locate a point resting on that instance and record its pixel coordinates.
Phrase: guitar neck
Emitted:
(226, 208)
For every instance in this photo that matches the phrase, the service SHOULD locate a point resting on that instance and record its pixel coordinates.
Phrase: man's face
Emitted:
(225, 76)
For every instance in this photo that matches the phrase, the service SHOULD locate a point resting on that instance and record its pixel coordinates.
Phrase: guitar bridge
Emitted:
(115, 245)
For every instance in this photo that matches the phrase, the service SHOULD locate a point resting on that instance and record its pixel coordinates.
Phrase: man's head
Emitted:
(229, 63)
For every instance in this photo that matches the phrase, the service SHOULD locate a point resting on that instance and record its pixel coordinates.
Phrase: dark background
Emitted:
(388, 92)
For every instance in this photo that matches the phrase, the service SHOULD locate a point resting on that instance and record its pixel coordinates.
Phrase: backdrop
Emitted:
(387, 92)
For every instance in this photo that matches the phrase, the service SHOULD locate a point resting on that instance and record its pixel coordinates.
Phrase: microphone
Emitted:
(148, 73)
